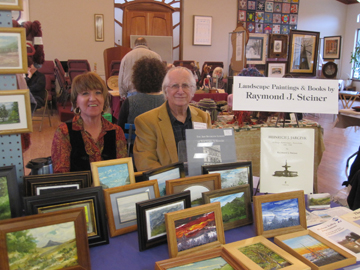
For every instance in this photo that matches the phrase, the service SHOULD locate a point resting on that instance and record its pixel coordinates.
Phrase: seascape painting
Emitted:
(195, 231)
(5, 210)
(155, 219)
(9, 113)
(313, 250)
(233, 206)
(348, 239)
(10, 51)
(46, 248)
(234, 177)
(126, 205)
(280, 214)
(163, 177)
(264, 257)
(114, 175)
(217, 263)
(196, 194)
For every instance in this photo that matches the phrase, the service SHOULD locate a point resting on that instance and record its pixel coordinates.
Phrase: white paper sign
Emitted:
(287, 160)
(285, 95)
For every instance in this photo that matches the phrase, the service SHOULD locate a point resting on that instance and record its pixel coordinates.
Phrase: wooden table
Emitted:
(215, 96)
(348, 97)
(347, 118)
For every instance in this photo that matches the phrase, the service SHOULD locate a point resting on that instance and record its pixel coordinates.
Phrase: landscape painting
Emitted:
(5, 210)
(234, 177)
(114, 175)
(155, 219)
(42, 189)
(313, 250)
(47, 247)
(233, 206)
(348, 239)
(280, 214)
(10, 51)
(195, 231)
(196, 194)
(9, 113)
(127, 205)
(264, 257)
(163, 177)
(217, 263)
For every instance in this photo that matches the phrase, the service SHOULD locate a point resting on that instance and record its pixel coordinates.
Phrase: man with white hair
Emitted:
(159, 131)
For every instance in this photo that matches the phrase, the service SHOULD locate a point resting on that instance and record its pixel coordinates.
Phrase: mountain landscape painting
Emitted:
(234, 177)
(233, 206)
(163, 177)
(114, 176)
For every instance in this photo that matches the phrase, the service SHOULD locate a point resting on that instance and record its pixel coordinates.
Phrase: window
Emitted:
(355, 57)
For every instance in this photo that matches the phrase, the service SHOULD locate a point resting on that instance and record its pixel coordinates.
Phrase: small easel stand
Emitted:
(282, 115)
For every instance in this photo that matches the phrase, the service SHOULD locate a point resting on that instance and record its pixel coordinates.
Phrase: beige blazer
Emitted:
(155, 142)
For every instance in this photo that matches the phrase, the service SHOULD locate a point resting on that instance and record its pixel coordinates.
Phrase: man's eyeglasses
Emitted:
(177, 86)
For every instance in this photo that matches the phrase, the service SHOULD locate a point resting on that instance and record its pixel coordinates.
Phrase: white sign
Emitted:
(285, 95)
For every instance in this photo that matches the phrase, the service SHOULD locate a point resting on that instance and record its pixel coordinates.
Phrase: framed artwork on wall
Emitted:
(202, 30)
(332, 47)
(278, 46)
(99, 27)
(11, 4)
(256, 49)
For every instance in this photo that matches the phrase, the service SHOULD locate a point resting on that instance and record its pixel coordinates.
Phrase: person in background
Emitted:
(148, 74)
(88, 137)
(159, 131)
(126, 87)
(217, 81)
(36, 82)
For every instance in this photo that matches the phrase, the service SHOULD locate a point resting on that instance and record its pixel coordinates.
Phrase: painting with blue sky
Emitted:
(114, 175)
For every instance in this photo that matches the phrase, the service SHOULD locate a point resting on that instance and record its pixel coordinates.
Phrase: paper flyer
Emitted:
(353, 217)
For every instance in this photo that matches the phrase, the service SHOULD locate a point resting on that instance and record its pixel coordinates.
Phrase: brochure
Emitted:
(353, 217)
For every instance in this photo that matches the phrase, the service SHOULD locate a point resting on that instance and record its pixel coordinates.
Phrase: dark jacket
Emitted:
(36, 85)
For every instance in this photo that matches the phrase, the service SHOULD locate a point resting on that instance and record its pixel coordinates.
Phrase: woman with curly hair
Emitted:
(148, 74)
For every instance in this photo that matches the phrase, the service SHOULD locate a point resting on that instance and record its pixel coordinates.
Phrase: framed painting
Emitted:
(15, 112)
(91, 199)
(329, 70)
(99, 27)
(235, 205)
(13, 48)
(113, 173)
(57, 182)
(162, 174)
(120, 203)
(11, 5)
(314, 250)
(9, 193)
(260, 253)
(151, 217)
(303, 53)
(63, 231)
(276, 69)
(196, 184)
(280, 213)
(194, 229)
(256, 49)
(332, 47)
(215, 258)
(278, 46)
(202, 30)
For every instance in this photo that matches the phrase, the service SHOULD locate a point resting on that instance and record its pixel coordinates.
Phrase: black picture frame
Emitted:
(155, 174)
(223, 167)
(34, 183)
(94, 195)
(329, 70)
(143, 211)
(332, 47)
(14, 209)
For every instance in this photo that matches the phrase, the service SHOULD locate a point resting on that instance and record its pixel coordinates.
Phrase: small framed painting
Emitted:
(276, 69)
(280, 213)
(11, 4)
(332, 47)
(120, 203)
(278, 46)
(194, 229)
(38, 232)
(314, 250)
(15, 111)
(99, 27)
(202, 30)
(151, 217)
(113, 173)
(256, 49)
(9, 196)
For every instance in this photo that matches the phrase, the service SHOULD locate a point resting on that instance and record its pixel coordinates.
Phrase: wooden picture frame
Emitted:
(122, 168)
(162, 174)
(202, 30)
(66, 225)
(16, 38)
(303, 53)
(332, 47)
(235, 203)
(286, 205)
(50, 183)
(146, 211)
(241, 251)
(99, 27)
(201, 257)
(91, 199)
(256, 48)
(276, 69)
(11, 5)
(196, 185)
(9, 195)
(185, 221)
(278, 46)
(15, 104)
(120, 204)
(300, 244)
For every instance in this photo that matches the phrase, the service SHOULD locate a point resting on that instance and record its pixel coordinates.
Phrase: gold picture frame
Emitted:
(122, 168)
(184, 222)
(11, 5)
(99, 27)
(276, 214)
(16, 103)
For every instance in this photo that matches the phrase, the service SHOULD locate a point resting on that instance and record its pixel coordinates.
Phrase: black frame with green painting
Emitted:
(10, 204)
(142, 210)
